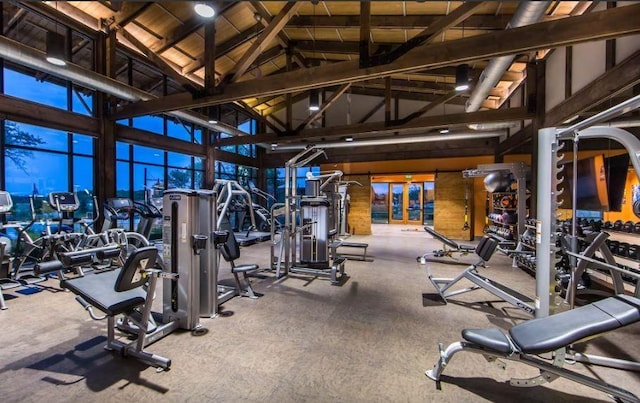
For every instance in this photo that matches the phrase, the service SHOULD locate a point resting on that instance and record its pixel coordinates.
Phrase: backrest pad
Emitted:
(486, 247)
(230, 250)
(130, 276)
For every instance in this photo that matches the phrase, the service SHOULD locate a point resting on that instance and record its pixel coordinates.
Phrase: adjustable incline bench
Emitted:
(449, 247)
(551, 334)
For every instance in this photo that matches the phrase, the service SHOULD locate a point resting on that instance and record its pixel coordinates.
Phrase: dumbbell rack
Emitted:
(625, 246)
(501, 224)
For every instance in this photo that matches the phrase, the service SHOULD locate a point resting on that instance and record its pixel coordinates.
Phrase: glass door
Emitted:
(397, 211)
(428, 201)
(380, 203)
(414, 203)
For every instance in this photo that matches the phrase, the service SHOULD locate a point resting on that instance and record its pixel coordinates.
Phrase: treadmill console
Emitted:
(120, 203)
(67, 201)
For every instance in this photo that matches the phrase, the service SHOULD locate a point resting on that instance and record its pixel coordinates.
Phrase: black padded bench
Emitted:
(551, 334)
(355, 245)
(450, 242)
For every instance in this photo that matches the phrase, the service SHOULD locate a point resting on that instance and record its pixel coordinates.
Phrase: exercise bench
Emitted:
(552, 334)
(353, 245)
(449, 247)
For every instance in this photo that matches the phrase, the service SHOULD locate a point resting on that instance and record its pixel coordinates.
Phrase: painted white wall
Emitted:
(588, 64)
(628, 45)
(554, 80)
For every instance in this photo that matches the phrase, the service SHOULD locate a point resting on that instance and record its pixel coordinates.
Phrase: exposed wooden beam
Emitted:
(188, 27)
(606, 24)
(387, 100)
(209, 57)
(372, 112)
(481, 22)
(37, 114)
(619, 78)
(147, 139)
(430, 106)
(260, 44)
(379, 128)
(295, 98)
(406, 85)
(223, 48)
(165, 66)
(413, 96)
(333, 47)
(434, 30)
(246, 108)
(129, 12)
(13, 21)
(365, 34)
(326, 105)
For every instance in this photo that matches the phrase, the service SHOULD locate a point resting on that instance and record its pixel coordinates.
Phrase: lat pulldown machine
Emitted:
(306, 243)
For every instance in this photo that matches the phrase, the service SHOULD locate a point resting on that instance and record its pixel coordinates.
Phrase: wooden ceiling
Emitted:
(257, 40)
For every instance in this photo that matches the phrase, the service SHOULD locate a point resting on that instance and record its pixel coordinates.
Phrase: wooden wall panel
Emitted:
(359, 218)
(448, 216)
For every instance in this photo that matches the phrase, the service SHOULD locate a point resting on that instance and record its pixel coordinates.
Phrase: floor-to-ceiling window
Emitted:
(40, 160)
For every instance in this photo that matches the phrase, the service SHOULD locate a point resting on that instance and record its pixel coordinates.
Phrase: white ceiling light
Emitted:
(204, 10)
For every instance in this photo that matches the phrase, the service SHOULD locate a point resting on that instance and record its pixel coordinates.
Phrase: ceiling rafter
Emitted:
(588, 27)
(380, 128)
(270, 32)
(483, 22)
(325, 105)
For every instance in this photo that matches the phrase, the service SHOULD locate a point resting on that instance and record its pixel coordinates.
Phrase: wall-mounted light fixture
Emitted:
(462, 77)
(314, 100)
(55, 48)
(204, 9)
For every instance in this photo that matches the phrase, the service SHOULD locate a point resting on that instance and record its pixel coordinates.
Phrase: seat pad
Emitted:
(244, 268)
(98, 290)
(492, 339)
(553, 332)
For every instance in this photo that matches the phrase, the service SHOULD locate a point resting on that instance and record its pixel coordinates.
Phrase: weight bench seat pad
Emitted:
(493, 339)
(553, 332)
(244, 268)
(98, 290)
(556, 331)
(449, 242)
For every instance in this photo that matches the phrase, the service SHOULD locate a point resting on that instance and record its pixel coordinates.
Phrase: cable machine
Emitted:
(306, 243)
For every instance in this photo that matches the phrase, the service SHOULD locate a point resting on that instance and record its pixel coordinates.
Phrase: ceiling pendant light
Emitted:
(55, 48)
(204, 10)
(314, 100)
(462, 77)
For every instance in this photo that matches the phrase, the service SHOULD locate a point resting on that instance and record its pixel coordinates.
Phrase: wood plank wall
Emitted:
(448, 216)
(359, 218)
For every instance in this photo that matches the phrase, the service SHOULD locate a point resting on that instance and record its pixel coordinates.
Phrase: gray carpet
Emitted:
(305, 340)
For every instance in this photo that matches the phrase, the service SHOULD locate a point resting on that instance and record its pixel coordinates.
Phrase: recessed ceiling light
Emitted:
(348, 138)
(444, 131)
(213, 121)
(204, 10)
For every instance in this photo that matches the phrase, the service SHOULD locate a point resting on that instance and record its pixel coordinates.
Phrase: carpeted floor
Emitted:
(370, 339)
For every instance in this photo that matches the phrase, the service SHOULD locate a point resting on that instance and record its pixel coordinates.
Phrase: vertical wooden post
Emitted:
(105, 160)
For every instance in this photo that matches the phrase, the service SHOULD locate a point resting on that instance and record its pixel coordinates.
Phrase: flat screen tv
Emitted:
(617, 168)
(591, 191)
